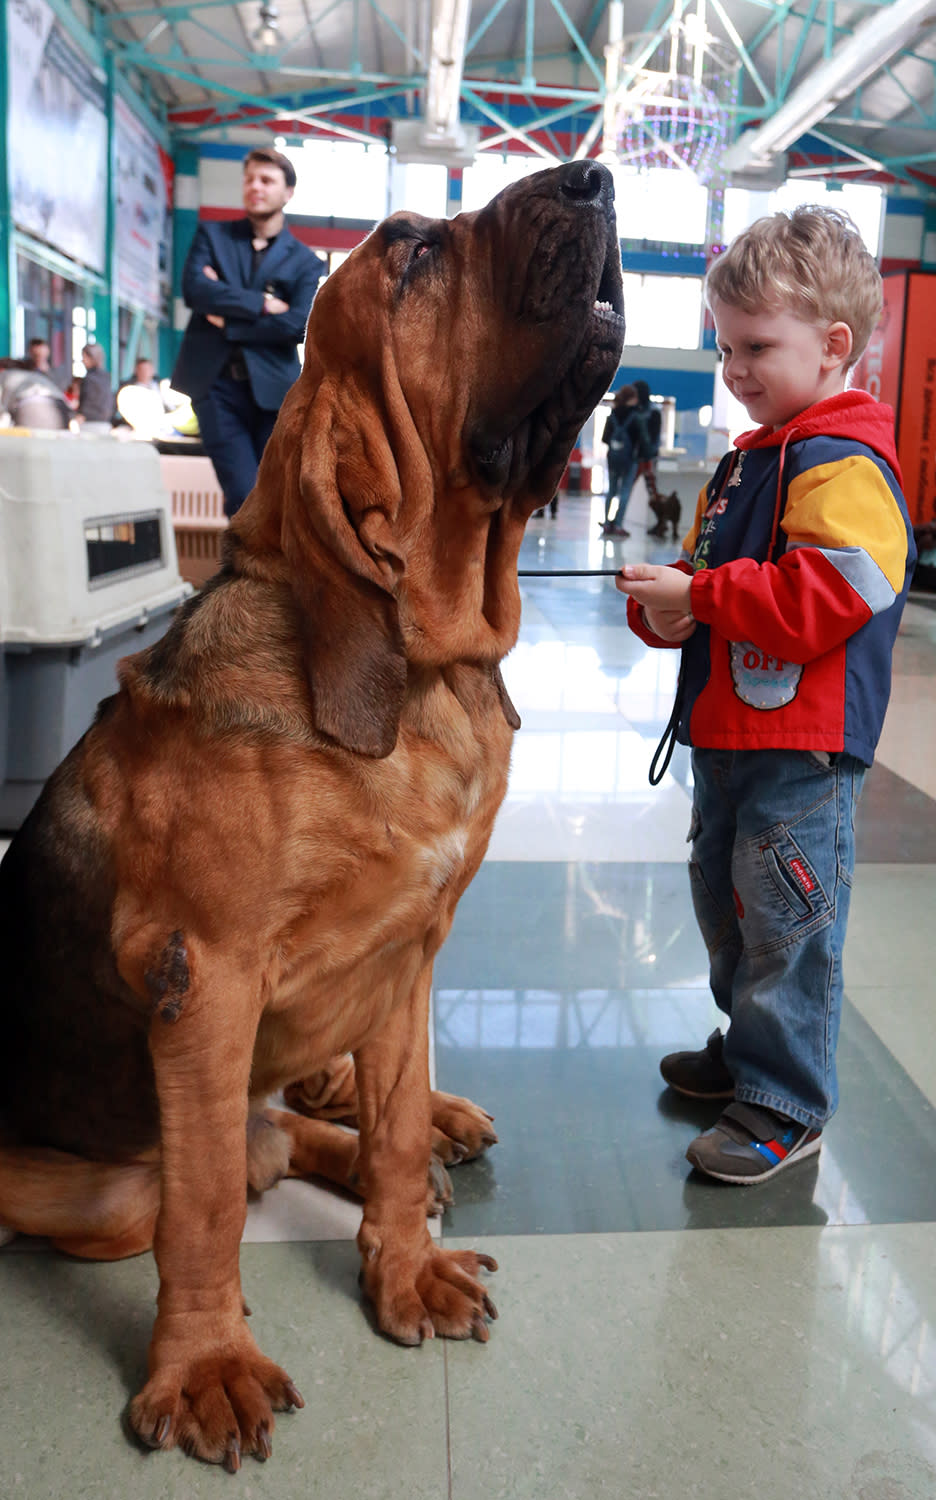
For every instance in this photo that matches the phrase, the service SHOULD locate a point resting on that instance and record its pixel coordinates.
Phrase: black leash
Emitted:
(668, 740)
(658, 766)
(663, 753)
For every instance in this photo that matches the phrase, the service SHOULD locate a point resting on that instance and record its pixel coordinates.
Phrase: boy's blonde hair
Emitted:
(811, 261)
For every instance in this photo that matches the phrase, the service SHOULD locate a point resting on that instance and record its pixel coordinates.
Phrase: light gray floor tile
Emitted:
(894, 1013)
(73, 1341)
(890, 929)
(787, 1364)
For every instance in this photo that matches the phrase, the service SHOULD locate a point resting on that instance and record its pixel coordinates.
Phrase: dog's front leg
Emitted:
(417, 1288)
(209, 1389)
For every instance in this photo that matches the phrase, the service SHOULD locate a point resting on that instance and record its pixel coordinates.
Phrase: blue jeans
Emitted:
(773, 854)
(620, 483)
(234, 432)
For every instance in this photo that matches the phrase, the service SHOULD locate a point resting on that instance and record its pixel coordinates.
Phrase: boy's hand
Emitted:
(664, 594)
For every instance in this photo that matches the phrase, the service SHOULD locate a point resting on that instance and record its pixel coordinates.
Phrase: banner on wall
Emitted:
(143, 220)
(57, 135)
(899, 367)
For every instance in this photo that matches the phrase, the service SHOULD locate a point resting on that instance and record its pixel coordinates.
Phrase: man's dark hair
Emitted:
(275, 159)
(34, 343)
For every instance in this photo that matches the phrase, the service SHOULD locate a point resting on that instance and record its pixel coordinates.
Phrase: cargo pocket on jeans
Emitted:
(784, 895)
(715, 924)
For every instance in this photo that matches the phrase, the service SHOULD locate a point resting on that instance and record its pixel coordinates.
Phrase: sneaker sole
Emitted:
(810, 1149)
(679, 1088)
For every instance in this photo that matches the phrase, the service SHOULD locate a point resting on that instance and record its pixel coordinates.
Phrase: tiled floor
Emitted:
(782, 1350)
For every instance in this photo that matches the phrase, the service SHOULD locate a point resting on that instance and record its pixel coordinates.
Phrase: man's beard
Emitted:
(262, 216)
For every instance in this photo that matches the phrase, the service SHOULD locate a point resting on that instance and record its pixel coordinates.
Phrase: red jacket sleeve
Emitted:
(637, 623)
(795, 609)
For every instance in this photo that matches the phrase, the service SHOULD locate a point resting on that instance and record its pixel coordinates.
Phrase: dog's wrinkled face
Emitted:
(505, 326)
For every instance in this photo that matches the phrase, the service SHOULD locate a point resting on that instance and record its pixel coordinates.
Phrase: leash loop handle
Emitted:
(667, 743)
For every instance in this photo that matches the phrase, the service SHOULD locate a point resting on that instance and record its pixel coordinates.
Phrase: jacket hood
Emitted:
(850, 414)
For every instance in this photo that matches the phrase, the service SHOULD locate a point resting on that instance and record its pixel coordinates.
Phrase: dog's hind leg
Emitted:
(97, 1210)
(280, 1144)
(461, 1130)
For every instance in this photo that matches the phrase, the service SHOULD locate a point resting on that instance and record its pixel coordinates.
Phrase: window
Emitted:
(863, 201)
(660, 204)
(421, 187)
(489, 174)
(664, 312)
(339, 179)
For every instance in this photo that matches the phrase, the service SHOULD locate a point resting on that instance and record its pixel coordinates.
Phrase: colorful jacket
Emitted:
(801, 553)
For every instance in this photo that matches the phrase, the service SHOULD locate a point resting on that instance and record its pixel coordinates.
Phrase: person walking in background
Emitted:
(250, 285)
(647, 427)
(95, 392)
(622, 460)
(644, 426)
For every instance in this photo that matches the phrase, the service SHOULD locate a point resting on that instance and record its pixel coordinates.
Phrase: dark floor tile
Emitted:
(896, 822)
(591, 1141)
(574, 926)
(534, 1023)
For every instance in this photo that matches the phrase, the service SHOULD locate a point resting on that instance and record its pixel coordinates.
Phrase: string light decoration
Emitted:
(668, 108)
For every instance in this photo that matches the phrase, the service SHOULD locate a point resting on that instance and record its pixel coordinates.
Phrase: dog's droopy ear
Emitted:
(352, 645)
(354, 662)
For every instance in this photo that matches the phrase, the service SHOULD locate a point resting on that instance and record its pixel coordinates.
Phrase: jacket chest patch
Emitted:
(760, 680)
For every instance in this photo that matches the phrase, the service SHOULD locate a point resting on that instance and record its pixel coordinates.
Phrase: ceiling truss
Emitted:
(544, 91)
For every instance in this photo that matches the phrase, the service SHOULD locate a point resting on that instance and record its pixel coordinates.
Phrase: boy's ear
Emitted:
(839, 342)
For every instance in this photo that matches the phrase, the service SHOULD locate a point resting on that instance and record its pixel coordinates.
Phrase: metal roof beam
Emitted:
(864, 53)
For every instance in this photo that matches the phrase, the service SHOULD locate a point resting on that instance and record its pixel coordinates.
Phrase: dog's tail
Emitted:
(98, 1210)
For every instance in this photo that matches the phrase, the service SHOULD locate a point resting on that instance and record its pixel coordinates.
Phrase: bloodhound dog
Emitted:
(246, 866)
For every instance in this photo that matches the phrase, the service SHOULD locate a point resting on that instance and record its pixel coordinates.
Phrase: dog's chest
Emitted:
(414, 832)
(413, 829)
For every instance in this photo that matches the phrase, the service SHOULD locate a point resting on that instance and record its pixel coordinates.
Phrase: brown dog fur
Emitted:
(245, 869)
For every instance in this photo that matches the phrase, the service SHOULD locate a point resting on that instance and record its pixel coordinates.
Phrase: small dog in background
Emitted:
(667, 510)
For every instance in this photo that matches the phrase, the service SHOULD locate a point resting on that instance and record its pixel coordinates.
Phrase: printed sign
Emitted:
(143, 218)
(57, 135)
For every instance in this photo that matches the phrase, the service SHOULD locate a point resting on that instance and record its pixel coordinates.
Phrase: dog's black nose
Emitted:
(585, 181)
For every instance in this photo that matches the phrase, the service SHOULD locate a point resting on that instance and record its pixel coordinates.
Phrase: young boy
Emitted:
(786, 605)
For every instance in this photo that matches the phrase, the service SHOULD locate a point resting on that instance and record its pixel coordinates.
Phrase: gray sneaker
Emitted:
(750, 1144)
(699, 1075)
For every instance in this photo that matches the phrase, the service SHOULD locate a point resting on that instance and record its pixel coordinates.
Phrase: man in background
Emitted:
(95, 392)
(39, 356)
(144, 373)
(250, 285)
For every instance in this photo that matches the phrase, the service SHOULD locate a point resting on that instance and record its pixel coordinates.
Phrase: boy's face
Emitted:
(777, 364)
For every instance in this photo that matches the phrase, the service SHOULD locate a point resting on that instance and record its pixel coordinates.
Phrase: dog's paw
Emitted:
(460, 1130)
(267, 1153)
(217, 1408)
(445, 1296)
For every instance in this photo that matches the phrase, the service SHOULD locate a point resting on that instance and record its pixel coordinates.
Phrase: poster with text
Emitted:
(143, 219)
(57, 135)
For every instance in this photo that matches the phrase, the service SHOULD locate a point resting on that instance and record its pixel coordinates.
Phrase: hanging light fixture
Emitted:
(668, 107)
(267, 33)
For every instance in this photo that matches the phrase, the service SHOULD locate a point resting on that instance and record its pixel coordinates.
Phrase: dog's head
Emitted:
(450, 365)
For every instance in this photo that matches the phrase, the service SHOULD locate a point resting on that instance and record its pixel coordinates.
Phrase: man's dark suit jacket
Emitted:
(268, 340)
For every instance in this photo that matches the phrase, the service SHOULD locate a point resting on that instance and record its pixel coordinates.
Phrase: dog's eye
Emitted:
(420, 250)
